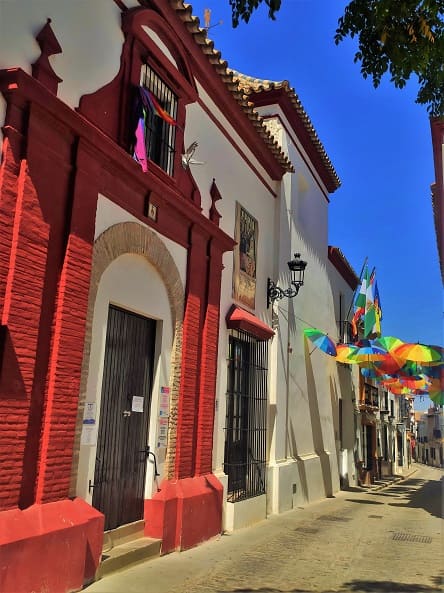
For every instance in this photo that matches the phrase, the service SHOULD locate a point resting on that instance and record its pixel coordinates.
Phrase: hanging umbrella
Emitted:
(419, 353)
(367, 353)
(433, 372)
(343, 351)
(399, 390)
(389, 364)
(371, 372)
(321, 340)
(414, 382)
(388, 343)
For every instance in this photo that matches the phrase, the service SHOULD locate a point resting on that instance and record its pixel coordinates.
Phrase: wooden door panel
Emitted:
(120, 467)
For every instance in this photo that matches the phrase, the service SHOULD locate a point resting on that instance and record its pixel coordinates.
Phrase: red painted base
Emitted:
(54, 547)
(185, 512)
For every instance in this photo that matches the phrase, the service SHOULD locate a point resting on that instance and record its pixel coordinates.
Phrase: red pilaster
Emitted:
(191, 344)
(25, 246)
(68, 336)
(207, 388)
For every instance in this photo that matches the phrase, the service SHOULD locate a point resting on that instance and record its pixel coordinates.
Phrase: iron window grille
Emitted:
(160, 135)
(371, 395)
(246, 416)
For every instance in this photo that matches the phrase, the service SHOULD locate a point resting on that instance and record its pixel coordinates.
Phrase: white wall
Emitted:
(88, 32)
(304, 439)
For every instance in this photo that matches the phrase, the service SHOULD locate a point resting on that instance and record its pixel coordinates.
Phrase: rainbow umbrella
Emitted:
(321, 340)
(414, 382)
(388, 343)
(399, 390)
(371, 372)
(343, 351)
(389, 364)
(367, 353)
(433, 372)
(419, 353)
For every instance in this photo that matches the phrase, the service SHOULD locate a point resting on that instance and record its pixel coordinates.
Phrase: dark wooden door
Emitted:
(119, 477)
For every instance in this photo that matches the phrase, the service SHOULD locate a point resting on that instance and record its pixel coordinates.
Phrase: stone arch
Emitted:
(133, 238)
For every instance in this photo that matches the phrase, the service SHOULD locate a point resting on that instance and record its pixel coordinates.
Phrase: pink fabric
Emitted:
(140, 148)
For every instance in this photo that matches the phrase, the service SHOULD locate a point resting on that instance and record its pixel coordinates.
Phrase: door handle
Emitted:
(148, 452)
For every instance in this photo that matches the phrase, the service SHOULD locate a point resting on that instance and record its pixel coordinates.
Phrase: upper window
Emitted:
(159, 114)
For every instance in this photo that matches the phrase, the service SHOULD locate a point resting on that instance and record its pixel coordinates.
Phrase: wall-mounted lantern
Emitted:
(297, 270)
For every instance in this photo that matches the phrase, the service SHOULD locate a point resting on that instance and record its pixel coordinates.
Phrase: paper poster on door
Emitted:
(137, 403)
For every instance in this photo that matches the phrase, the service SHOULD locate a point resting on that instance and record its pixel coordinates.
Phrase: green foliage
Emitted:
(402, 37)
(243, 9)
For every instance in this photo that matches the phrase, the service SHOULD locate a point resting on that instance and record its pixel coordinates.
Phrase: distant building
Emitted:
(430, 436)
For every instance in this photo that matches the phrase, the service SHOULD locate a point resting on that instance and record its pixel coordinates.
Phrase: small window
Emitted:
(160, 135)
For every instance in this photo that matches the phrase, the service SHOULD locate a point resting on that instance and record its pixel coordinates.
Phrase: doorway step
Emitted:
(126, 546)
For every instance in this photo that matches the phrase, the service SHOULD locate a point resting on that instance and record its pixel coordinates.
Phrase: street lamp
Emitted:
(297, 269)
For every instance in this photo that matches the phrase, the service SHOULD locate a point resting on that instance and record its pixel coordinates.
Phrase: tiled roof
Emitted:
(192, 23)
(251, 85)
(343, 266)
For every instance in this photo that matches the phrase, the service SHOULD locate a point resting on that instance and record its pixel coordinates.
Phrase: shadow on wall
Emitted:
(316, 423)
(301, 467)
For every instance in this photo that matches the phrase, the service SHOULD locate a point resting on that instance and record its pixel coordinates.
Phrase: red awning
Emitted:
(238, 318)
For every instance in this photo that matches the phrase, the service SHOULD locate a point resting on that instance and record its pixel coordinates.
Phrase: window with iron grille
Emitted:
(246, 416)
(160, 135)
(371, 395)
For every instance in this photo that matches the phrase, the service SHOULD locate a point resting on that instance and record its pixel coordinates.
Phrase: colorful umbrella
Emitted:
(396, 390)
(367, 353)
(419, 353)
(320, 340)
(343, 351)
(433, 372)
(389, 364)
(414, 382)
(388, 343)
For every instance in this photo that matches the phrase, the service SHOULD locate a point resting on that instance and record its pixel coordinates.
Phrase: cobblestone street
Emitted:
(388, 541)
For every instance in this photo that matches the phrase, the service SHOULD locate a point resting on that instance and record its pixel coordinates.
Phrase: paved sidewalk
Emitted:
(389, 480)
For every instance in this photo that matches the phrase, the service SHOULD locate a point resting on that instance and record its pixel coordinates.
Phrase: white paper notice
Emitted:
(164, 404)
(89, 434)
(89, 414)
(163, 432)
(137, 403)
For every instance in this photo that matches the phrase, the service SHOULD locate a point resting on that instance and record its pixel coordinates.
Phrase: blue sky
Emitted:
(378, 140)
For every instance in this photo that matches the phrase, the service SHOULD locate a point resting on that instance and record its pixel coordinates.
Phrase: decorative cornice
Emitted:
(42, 69)
(265, 92)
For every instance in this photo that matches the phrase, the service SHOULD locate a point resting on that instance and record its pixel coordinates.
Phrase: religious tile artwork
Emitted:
(245, 257)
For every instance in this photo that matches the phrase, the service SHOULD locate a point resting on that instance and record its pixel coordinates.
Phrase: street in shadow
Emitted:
(428, 497)
(355, 586)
